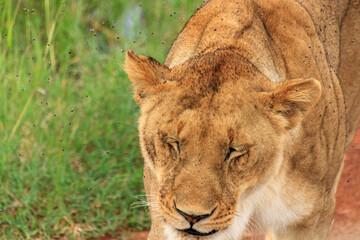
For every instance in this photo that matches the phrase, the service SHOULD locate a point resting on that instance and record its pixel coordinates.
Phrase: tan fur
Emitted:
(264, 79)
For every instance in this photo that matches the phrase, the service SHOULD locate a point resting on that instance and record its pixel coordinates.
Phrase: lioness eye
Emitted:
(230, 150)
(178, 146)
(235, 152)
(174, 147)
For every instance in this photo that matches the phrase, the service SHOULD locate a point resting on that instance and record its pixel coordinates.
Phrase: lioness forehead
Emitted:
(223, 123)
(205, 75)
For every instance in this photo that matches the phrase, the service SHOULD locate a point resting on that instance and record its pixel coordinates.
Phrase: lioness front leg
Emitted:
(315, 228)
(301, 234)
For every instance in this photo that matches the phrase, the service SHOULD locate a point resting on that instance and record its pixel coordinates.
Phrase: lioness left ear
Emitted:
(294, 99)
(146, 74)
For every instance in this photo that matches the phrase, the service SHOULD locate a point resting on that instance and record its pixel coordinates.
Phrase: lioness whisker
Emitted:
(138, 204)
(257, 225)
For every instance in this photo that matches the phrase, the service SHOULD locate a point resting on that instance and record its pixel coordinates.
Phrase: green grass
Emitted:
(70, 165)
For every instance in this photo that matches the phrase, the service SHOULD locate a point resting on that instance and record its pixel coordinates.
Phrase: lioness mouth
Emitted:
(194, 232)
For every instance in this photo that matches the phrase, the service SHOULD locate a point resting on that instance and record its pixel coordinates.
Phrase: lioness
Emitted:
(245, 122)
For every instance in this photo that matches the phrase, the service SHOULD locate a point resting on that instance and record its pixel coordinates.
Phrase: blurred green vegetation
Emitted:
(70, 165)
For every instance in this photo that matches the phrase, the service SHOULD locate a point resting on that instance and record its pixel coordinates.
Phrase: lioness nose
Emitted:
(192, 219)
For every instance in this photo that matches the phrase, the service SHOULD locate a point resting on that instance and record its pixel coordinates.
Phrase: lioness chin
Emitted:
(245, 125)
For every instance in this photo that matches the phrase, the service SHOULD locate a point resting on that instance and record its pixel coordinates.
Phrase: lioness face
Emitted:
(207, 157)
(212, 137)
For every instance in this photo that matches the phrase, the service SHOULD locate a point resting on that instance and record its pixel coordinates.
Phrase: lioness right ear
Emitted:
(146, 74)
(293, 99)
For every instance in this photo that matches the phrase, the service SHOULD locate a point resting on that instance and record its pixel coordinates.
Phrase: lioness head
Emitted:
(213, 131)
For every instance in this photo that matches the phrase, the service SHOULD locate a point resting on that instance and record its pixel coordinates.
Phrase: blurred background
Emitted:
(70, 165)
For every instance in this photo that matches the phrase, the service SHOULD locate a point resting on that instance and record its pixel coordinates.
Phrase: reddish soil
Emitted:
(346, 224)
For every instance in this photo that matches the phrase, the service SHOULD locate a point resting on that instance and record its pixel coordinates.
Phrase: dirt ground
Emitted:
(346, 224)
